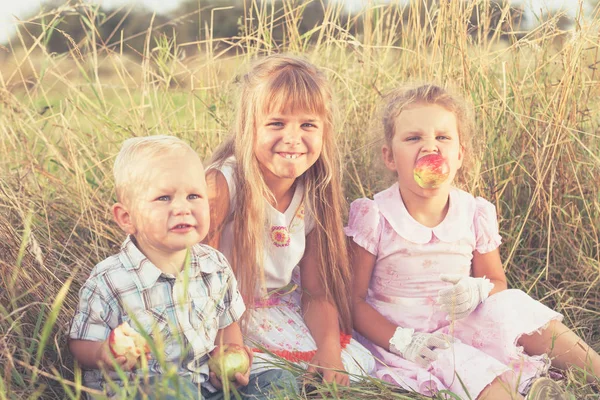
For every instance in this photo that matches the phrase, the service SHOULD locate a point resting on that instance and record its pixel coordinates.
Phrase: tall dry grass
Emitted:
(62, 117)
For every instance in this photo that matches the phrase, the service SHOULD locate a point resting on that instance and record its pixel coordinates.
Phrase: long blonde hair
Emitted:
(290, 83)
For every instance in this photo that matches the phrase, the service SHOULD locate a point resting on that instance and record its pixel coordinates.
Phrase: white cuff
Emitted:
(400, 340)
(485, 287)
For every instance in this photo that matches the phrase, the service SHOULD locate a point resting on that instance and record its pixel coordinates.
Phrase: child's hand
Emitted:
(240, 379)
(108, 361)
(420, 348)
(125, 342)
(330, 366)
(464, 296)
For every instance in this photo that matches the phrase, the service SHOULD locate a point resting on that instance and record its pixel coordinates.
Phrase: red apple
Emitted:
(431, 171)
(125, 341)
(229, 359)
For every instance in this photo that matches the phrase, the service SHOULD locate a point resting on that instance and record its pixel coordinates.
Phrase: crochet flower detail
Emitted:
(300, 213)
(298, 220)
(280, 236)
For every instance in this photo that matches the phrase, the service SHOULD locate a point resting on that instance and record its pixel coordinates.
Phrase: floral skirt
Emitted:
(277, 325)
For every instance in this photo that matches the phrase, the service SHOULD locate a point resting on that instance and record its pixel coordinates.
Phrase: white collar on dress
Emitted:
(455, 226)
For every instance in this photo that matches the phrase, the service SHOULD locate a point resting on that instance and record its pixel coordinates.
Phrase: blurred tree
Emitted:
(196, 22)
(77, 28)
(213, 19)
(495, 17)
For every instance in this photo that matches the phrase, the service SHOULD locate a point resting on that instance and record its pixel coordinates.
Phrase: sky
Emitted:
(11, 10)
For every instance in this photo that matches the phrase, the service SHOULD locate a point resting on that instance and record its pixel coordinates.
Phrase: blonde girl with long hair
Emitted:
(276, 213)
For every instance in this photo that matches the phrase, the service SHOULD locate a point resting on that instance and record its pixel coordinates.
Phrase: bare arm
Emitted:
(320, 314)
(490, 266)
(88, 353)
(94, 355)
(367, 321)
(321, 317)
(218, 200)
(230, 334)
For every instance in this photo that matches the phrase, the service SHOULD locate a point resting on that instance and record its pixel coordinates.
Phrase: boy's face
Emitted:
(168, 210)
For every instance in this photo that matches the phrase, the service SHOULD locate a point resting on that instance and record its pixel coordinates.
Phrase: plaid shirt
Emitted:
(181, 314)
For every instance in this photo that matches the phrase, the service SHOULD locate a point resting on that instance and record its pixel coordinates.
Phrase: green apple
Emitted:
(229, 359)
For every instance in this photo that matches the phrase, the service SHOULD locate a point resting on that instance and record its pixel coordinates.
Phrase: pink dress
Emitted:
(405, 283)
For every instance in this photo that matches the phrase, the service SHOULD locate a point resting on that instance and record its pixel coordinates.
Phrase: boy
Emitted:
(185, 309)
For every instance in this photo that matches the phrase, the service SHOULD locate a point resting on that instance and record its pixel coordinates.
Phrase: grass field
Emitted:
(536, 97)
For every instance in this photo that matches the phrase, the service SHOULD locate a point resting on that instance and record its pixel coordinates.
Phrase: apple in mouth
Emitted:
(229, 359)
(431, 171)
(124, 341)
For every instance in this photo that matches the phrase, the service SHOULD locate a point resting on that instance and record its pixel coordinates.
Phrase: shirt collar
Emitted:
(134, 260)
(455, 225)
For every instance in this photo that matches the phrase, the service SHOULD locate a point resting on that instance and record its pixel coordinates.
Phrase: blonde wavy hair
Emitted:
(277, 83)
(131, 161)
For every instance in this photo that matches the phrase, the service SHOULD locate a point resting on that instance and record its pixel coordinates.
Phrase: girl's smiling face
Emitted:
(288, 144)
(420, 130)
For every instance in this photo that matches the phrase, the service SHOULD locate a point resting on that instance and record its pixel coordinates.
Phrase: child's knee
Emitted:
(503, 387)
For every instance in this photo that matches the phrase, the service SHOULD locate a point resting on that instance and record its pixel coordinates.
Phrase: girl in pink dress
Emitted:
(430, 295)
(276, 214)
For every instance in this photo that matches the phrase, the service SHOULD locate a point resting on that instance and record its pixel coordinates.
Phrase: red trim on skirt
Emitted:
(306, 356)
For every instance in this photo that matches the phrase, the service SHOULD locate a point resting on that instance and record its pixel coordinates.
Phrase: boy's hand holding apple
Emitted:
(232, 362)
(126, 347)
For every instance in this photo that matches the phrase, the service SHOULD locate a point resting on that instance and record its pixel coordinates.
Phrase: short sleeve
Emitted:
(94, 315)
(487, 236)
(232, 303)
(364, 224)
(227, 169)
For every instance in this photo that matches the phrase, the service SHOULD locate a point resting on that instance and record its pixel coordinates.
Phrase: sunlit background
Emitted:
(11, 12)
